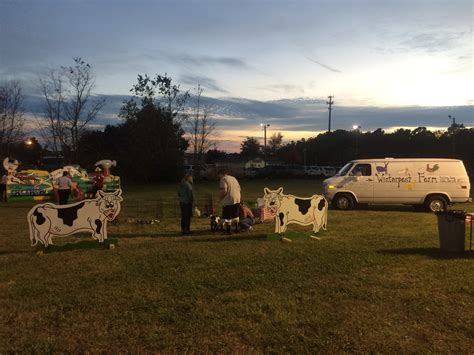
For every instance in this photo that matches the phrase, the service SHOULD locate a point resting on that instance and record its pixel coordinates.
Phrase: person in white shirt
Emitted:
(229, 194)
(64, 188)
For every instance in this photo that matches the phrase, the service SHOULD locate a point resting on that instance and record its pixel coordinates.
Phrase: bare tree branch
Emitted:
(11, 115)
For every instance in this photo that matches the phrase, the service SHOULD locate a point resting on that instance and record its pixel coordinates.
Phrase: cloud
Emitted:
(433, 42)
(186, 59)
(285, 88)
(204, 81)
(322, 64)
(295, 117)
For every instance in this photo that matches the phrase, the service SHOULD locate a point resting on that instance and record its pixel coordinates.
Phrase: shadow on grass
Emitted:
(8, 252)
(434, 253)
(389, 208)
(83, 244)
(163, 234)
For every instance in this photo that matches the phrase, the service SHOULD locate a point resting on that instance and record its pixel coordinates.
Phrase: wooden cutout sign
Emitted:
(300, 210)
(48, 220)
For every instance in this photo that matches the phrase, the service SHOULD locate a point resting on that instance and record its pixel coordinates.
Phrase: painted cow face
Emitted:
(272, 198)
(109, 203)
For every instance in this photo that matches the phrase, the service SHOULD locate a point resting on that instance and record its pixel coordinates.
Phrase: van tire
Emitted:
(343, 202)
(436, 203)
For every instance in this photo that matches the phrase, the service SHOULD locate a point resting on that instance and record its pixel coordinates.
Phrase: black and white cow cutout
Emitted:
(48, 220)
(290, 209)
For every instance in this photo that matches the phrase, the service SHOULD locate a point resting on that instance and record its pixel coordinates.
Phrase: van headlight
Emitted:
(331, 187)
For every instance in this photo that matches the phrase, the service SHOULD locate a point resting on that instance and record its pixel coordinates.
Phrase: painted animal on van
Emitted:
(49, 220)
(382, 169)
(290, 209)
(433, 169)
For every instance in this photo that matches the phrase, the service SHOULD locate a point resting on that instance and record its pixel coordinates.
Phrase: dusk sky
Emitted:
(388, 63)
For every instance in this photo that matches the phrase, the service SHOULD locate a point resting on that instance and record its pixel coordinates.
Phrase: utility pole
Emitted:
(264, 126)
(330, 103)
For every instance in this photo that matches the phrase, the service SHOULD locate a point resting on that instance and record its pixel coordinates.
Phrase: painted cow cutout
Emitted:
(291, 209)
(48, 220)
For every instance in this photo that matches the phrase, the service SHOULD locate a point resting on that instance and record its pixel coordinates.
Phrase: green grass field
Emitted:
(375, 282)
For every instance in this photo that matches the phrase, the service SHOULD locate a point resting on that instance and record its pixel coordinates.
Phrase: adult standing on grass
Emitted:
(229, 193)
(186, 200)
(3, 188)
(64, 188)
(98, 182)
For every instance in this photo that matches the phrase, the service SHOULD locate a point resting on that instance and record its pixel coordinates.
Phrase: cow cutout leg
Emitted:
(103, 235)
(43, 234)
(49, 238)
(315, 227)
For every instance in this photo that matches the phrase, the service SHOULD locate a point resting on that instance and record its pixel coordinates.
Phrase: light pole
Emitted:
(304, 159)
(30, 144)
(453, 132)
(264, 126)
(356, 129)
(452, 118)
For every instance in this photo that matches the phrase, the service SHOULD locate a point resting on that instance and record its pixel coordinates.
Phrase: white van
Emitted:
(431, 182)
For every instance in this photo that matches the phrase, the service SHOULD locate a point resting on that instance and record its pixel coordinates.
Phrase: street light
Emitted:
(30, 142)
(452, 118)
(264, 126)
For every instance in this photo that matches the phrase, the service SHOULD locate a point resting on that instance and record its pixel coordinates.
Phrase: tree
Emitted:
(275, 142)
(250, 147)
(52, 124)
(153, 119)
(69, 106)
(79, 108)
(11, 116)
(201, 127)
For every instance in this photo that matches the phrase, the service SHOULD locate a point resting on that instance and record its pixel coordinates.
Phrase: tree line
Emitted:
(160, 122)
(338, 147)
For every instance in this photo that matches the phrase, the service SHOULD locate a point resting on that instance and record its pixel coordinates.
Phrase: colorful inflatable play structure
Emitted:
(40, 185)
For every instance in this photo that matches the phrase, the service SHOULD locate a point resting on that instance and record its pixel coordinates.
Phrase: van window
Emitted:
(345, 169)
(362, 170)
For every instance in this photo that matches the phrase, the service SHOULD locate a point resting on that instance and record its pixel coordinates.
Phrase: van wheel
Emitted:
(344, 202)
(436, 203)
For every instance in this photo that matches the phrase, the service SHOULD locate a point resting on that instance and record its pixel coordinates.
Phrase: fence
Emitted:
(165, 207)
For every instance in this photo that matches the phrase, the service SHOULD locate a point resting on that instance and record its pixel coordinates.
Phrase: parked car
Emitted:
(314, 170)
(328, 171)
(275, 171)
(251, 172)
(295, 170)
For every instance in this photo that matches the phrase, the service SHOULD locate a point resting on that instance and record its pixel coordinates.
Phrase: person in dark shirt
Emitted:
(186, 200)
(98, 182)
